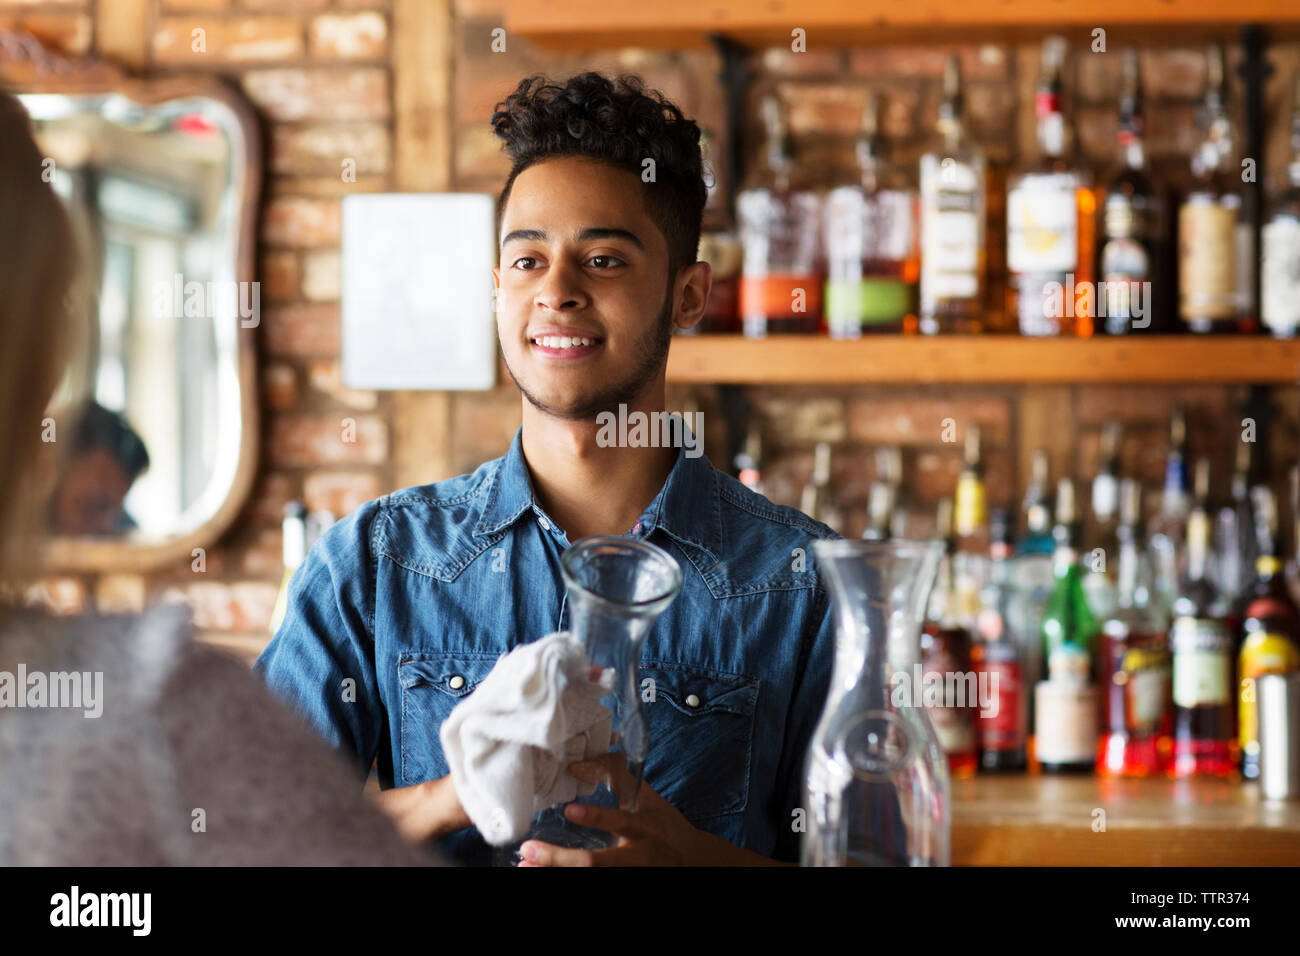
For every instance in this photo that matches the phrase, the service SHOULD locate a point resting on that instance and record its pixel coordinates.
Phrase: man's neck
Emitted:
(586, 488)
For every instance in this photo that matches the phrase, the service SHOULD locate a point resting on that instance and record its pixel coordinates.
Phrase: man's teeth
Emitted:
(562, 341)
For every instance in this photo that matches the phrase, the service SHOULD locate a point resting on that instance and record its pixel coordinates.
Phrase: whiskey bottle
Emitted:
(779, 215)
(872, 256)
(1280, 244)
(1135, 666)
(1209, 287)
(1134, 224)
(1050, 222)
(952, 220)
(1202, 645)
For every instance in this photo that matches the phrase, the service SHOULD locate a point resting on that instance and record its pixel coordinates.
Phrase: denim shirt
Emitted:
(414, 596)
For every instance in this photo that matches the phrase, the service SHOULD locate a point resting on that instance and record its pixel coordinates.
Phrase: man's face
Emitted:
(582, 261)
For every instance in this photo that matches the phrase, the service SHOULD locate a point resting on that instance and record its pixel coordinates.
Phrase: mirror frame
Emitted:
(28, 66)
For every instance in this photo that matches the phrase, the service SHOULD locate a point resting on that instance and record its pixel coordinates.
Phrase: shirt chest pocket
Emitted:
(432, 684)
(701, 737)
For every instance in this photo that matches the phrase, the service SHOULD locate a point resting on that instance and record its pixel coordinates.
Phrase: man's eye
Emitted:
(524, 259)
(608, 259)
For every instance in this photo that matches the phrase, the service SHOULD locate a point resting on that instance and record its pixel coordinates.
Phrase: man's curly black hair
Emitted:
(619, 123)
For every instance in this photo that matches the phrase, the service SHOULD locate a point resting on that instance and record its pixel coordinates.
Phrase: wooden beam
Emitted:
(422, 61)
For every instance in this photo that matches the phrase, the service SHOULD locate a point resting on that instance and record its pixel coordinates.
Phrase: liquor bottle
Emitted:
(970, 525)
(1235, 540)
(724, 254)
(1166, 533)
(1202, 647)
(749, 463)
(871, 242)
(1067, 619)
(1033, 574)
(883, 497)
(294, 552)
(1100, 583)
(1135, 665)
(1209, 288)
(1134, 226)
(946, 657)
(1002, 729)
(952, 221)
(779, 215)
(818, 501)
(1270, 632)
(1051, 207)
(1280, 243)
(1065, 729)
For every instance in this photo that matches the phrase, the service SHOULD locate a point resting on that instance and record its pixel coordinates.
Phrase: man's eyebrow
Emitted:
(591, 232)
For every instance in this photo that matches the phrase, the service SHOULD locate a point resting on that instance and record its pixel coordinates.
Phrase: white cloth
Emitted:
(508, 743)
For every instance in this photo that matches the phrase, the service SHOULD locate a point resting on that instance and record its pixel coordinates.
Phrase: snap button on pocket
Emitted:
(692, 700)
(456, 683)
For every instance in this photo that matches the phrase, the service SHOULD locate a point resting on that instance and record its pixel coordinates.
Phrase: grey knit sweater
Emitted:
(192, 762)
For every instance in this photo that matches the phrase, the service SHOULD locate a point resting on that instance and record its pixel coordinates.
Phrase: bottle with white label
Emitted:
(1280, 245)
(952, 221)
(1050, 223)
(1211, 282)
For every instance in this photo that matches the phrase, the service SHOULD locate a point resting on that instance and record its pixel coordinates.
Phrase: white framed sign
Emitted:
(417, 291)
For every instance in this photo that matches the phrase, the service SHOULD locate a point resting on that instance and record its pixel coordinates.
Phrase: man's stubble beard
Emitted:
(651, 355)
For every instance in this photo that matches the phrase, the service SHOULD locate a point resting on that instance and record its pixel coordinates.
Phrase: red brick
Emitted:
(240, 606)
(1177, 73)
(261, 555)
(339, 492)
(272, 492)
(321, 150)
(58, 595)
(301, 330)
(294, 95)
(120, 593)
(326, 186)
(279, 386)
(321, 279)
(279, 276)
(815, 108)
(800, 419)
(245, 39)
(301, 222)
(814, 61)
(348, 36)
(479, 155)
(918, 419)
(322, 440)
(326, 376)
(889, 60)
(69, 33)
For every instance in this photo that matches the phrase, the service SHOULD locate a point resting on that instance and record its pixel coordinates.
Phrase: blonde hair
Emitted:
(38, 270)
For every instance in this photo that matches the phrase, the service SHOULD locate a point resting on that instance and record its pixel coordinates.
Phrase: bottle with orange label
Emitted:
(1270, 631)
(779, 215)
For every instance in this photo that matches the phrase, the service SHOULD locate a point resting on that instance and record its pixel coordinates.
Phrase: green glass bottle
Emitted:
(1067, 618)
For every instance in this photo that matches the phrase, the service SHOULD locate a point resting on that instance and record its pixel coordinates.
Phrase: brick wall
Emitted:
(319, 74)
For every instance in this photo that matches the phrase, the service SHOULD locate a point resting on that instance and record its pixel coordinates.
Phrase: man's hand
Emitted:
(424, 811)
(656, 834)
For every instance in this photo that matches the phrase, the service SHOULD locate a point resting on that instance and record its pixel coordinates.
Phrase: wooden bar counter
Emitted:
(1047, 820)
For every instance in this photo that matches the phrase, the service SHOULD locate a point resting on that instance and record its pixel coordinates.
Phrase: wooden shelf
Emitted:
(1026, 820)
(982, 359)
(685, 24)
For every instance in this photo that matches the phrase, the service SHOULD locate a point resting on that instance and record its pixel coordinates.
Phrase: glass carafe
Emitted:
(876, 784)
(617, 587)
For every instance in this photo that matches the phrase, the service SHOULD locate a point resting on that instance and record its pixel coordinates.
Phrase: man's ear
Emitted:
(696, 280)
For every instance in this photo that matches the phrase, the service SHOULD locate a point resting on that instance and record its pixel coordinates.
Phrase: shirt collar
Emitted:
(686, 507)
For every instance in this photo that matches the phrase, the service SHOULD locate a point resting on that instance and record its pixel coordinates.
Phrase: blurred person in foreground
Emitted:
(122, 740)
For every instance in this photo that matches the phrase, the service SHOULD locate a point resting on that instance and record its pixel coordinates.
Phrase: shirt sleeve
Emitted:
(817, 656)
(321, 662)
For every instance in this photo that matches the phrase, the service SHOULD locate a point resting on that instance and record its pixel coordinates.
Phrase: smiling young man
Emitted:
(402, 608)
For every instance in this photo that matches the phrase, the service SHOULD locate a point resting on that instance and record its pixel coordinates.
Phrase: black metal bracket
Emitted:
(1254, 73)
(735, 76)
